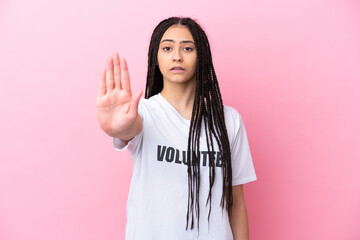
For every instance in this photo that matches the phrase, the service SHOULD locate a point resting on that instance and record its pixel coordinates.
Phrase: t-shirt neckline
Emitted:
(173, 109)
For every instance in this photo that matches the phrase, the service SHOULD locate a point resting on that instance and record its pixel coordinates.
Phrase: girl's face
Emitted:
(177, 49)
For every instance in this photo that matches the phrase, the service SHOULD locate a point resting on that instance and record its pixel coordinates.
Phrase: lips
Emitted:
(177, 68)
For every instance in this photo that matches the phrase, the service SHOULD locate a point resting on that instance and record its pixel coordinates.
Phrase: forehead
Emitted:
(177, 33)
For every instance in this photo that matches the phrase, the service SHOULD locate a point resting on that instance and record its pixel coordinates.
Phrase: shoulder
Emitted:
(149, 106)
(232, 116)
(145, 101)
(149, 102)
(234, 123)
(231, 110)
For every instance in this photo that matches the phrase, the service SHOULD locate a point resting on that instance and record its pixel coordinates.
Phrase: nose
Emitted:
(177, 55)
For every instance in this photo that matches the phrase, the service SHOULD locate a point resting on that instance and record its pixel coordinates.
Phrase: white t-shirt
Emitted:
(158, 195)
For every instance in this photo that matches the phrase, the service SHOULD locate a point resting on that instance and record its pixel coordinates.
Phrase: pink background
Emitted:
(291, 68)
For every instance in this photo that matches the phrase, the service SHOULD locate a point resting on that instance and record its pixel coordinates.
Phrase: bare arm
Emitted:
(116, 107)
(238, 218)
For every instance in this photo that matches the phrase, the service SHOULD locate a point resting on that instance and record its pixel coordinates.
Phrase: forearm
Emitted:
(239, 222)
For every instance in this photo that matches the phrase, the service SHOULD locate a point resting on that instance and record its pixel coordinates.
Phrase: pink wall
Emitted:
(291, 68)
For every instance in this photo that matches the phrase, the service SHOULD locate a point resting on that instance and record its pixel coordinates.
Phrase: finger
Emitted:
(102, 84)
(117, 71)
(125, 78)
(135, 102)
(109, 75)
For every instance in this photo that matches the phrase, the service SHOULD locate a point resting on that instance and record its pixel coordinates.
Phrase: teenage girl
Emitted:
(190, 151)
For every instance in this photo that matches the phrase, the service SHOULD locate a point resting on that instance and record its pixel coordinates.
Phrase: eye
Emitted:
(190, 49)
(164, 48)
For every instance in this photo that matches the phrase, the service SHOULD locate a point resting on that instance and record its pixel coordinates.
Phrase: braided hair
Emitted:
(208, 105)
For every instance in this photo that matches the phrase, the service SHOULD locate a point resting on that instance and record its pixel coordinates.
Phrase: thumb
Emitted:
(135, 102)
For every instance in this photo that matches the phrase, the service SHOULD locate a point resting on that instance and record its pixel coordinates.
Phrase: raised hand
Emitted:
(116, 107)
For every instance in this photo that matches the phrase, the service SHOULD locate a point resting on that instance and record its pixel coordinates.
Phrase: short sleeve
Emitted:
(134, 144)
(241, 160)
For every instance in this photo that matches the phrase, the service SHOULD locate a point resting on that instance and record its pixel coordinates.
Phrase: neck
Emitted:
(180, 96)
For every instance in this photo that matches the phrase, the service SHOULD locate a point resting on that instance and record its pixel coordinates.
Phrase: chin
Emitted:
(181, 80)
(177, 78)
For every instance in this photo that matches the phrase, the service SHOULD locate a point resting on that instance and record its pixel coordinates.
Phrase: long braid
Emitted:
(207, 107)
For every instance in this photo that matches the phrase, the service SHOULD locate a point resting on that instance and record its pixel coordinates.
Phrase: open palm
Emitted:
(116, 107)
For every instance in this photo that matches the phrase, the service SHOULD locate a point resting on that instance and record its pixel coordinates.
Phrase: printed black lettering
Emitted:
(218, 160)
(204, 153)
(177, 157)
(185, 157)
(195, 159)
(174, 155)
(170, 154)
(160, 153)
(211, 158)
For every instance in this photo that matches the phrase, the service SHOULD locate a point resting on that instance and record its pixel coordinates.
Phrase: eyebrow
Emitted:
(170, 40)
